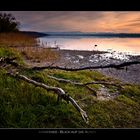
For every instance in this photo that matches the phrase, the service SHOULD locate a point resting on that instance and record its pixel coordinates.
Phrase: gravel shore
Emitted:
(130, 74)
(76, 59)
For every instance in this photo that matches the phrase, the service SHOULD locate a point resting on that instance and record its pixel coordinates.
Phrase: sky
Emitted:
(84, 21)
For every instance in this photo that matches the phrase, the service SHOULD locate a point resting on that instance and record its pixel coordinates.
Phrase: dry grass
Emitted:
(27, 46)
(37, 54)
(17, 39)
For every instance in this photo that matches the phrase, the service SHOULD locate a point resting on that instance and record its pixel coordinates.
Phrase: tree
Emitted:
(8, 23)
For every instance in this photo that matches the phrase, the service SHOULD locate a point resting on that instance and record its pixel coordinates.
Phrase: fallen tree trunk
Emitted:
(116, 66)
(59, 91)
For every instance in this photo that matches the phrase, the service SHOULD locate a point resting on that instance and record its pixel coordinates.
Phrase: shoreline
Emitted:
(76, 59)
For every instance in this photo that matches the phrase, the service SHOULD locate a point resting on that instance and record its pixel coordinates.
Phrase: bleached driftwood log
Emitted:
(59, 91)
(83, 84)
(73, 83)
(117, 85)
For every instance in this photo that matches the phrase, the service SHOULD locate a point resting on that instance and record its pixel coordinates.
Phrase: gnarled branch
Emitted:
(81, 84)
(87, 83)
(59, 91)
(73, 83)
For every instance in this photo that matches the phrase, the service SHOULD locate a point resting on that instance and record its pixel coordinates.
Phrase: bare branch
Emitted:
(73, 83)
(64, 80)
(83, 84)
(59, 91)
(87, 83)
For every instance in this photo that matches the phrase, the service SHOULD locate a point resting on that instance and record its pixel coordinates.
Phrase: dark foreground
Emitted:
(24, 105)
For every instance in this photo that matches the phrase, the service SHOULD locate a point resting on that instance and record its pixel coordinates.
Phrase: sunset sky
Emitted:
(84, 21)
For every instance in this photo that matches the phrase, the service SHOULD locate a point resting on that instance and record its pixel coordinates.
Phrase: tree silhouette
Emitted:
(8, 23)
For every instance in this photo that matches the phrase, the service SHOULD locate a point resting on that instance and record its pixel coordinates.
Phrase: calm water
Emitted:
(127, 45)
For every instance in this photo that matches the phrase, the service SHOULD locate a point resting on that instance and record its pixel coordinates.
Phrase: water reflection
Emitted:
(127, 45)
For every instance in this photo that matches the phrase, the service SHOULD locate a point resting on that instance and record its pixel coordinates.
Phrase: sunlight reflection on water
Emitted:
(126, 45)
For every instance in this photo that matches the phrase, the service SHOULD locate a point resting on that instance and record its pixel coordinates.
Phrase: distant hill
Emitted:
(101, 34)
(98, 34)
(34, 34)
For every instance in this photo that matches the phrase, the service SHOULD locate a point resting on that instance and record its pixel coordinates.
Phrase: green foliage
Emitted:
(126, 100)
(6, 52)
(132, 92)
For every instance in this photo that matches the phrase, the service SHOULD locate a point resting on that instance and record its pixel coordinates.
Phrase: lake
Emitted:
(126, 45)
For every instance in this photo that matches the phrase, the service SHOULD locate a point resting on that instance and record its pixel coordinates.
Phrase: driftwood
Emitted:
(85, 84)
(82, 84)
(120, 85)
(73, 83)
(116, 66)
(59, 91)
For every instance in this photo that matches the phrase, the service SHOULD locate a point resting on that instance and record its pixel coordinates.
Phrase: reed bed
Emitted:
(27, 46)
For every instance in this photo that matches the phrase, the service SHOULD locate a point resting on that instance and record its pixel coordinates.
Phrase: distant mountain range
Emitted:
(96, 34)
